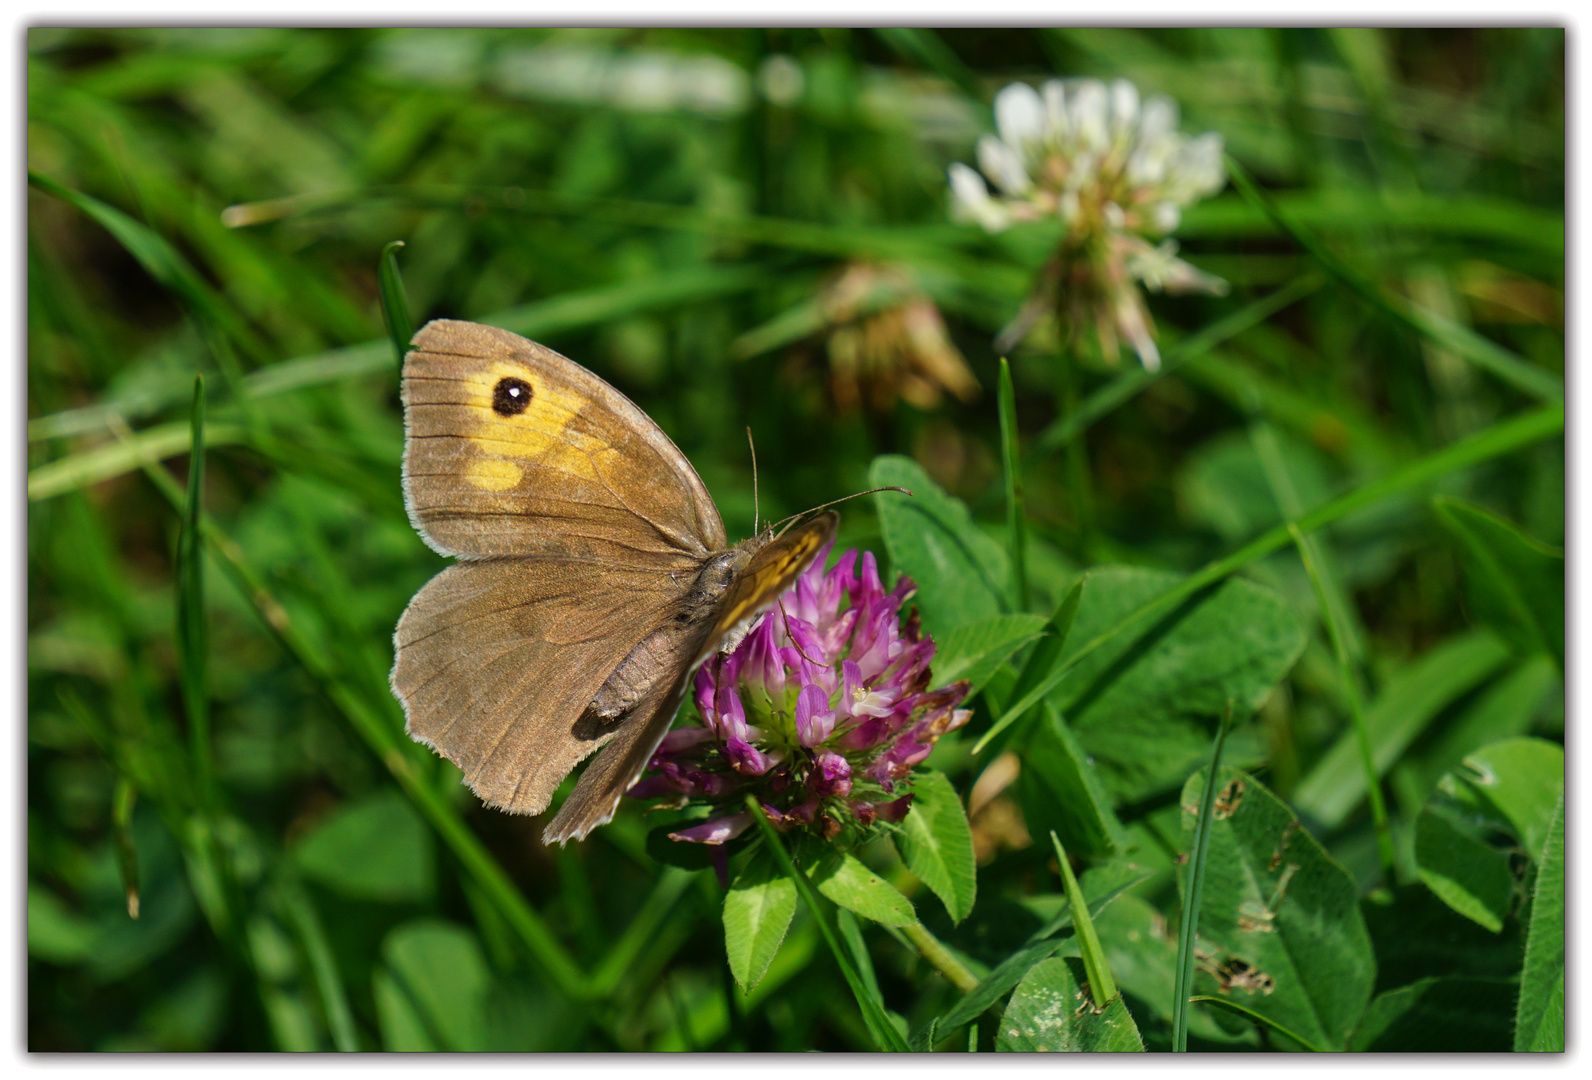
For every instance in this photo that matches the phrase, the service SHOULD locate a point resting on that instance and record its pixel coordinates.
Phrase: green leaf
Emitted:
(1141, 705)
(961, 573)
(757, 911)
(1521, 780)
(1539, 1015)
(1059, 786)
(1233, 1008)
(1101, 886)
(977, 650)
(374, 849)
(1051, 1011)
(438, 987)
(845, 881)
(1038, 666)
(936, 843)
(403, 1030)
(306, 922)
(1408, 702)
(1279, 920)
(1438, 1016)
(1456, 861)
(1503, 709)
(55, 933)
(1519, 581)
(1501, 795)
(1224, 485)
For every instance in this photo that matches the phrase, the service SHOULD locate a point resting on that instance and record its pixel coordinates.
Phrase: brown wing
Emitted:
(512, 449)
(498, 659)
(771, 569)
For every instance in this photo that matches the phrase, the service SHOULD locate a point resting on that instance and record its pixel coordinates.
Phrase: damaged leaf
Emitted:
(1280, 929)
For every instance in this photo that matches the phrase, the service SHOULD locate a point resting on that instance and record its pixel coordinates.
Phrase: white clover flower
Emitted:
(1117, 172)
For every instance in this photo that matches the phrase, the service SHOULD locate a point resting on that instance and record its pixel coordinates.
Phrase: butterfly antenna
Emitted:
(753, 446)
(785, 522)
(796, 644)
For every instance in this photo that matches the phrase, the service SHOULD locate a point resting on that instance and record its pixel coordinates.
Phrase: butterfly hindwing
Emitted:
(498, 660)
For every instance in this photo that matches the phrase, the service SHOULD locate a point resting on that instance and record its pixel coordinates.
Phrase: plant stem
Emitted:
(1011, 465)
(1078, 490)
(930, 949)
(880, 1027)
(1351, 690)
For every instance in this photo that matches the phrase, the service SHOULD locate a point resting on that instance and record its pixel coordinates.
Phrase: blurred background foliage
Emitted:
(709, 220)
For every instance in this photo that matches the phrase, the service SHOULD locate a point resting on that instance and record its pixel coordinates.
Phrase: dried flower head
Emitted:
(884, 337)
(887, 339)
(1117, 173)
(821, 712)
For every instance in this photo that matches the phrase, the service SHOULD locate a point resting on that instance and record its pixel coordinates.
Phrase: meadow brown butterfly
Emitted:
(593, 573)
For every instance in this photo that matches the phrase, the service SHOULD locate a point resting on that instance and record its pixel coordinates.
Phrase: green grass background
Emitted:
(536, 187)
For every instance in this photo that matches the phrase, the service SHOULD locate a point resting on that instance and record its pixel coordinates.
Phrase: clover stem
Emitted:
(930, 949)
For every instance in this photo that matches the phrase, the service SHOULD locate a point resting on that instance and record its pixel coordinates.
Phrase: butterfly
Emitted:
(593, 574)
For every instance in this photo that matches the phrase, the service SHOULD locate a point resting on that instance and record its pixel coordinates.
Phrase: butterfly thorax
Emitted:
(661, 652)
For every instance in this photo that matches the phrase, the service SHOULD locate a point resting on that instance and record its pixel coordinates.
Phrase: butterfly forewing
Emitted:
(512, 449)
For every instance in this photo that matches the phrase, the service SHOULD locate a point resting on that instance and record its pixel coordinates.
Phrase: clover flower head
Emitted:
(820, 712)
(1117, 172)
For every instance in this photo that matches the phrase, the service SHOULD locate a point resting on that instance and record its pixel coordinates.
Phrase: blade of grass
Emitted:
(787, 233)
(880, 1028)
(1191, 895)
(395, 302)
(1351, 690)
(192, 646)
(113, 459)
(568, 311)
(1101, 986)
(1334, 607)
(929, 49)
(165, 265)
(1501, 438)
(123, 799)
(613, 967)
(1488, 355)
(382, 730)
(1011, 466)
(1336, 603)
(306, 923)
(1251, 1014)
(1130, 383)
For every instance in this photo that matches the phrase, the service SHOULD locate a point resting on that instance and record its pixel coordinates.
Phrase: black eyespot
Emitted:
(511, 396)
